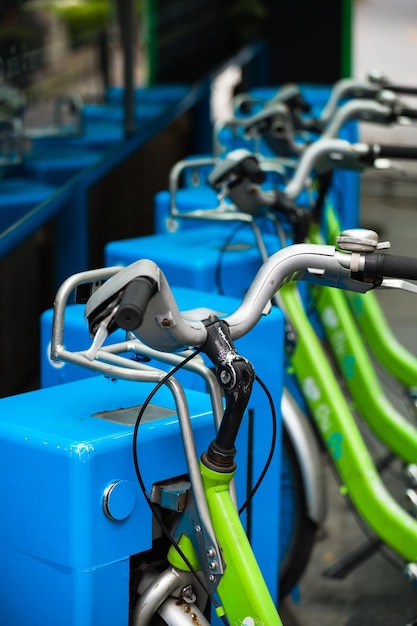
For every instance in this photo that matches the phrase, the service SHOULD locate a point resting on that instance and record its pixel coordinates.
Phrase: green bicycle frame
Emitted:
(244, 596)
(390, 426)
(346, 342)
(341, 436)
(392, 355)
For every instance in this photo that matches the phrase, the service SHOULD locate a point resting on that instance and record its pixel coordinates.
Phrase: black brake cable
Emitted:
(271, 450)
(142, 485)
(226, 243)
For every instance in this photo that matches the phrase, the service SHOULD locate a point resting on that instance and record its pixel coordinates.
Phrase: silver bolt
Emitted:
(197, 529)
(411, 500)
(411, 572)
(212, 578)
(188, 594)
(387, 97)
(213, 564)
(411, 474)
(210, 552)
(225, 377)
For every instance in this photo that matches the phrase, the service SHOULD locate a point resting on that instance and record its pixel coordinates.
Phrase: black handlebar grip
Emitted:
(314, 124)
(134, 301)
(250, 169)
(298, 102)
(378, 265)
(403, 89)
(394, 152)
(407, 112)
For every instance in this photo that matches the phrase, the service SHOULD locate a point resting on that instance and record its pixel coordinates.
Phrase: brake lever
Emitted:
(100, 335)
(397, 283)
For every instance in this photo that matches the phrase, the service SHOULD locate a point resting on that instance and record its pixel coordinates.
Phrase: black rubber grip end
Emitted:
(406, 90)
(395, 152)
(408, 112)
(379, 265)
(250, 168)
(134, 301)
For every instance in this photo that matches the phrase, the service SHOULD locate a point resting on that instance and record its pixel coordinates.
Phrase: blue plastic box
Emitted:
(114, 111)
(18, 195)
(98, 135)
(73, 513)
(153, 94)
(57, 164)
(217, 259)
(186, 199)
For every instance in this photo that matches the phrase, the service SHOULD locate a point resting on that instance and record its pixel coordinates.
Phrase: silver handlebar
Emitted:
(364, 110)
(326, 153)
(348, 87)
(164, 328)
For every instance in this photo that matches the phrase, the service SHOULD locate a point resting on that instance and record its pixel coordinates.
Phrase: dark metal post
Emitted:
(127, 21)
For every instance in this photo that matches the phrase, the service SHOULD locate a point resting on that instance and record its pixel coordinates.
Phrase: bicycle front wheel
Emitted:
(297, 529)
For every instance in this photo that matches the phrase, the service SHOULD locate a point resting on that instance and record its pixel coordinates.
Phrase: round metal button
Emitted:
(119, 500)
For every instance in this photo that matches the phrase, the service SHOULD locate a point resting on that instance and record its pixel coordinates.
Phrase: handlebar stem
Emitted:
(235, 376)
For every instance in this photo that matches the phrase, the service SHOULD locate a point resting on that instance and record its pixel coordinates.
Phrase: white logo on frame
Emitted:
(311, 389)
(330, 318)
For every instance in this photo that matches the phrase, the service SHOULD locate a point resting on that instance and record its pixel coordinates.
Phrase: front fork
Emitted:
(241, 590)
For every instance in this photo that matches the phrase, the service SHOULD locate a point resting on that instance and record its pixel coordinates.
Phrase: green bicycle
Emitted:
(210, 555)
